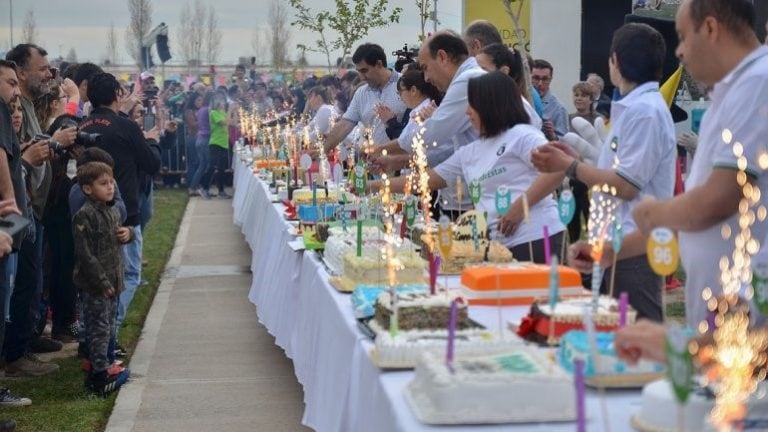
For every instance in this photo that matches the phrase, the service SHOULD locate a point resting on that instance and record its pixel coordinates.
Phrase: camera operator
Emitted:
(133, 154)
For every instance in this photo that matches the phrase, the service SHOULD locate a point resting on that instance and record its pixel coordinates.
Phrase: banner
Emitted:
(494, 11)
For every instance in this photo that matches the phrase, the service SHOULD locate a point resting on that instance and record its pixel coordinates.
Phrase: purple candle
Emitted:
(451, 334)
(623, 305)
(578, 381)
(547, 250)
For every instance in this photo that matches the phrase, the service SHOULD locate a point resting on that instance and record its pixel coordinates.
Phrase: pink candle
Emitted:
(578, 381)
(434, 265)
(623, 305)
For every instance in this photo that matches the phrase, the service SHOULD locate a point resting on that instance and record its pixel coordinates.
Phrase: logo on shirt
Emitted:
(501, 151)
(614, 143)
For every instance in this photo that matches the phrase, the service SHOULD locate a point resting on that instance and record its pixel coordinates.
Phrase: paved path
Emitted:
(204, 363)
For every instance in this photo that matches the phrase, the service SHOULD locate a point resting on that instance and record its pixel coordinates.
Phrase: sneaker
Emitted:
(120, 352)
(113, 369)
(8, 399)
(103, 384)
(224, 195)
(29, 365)
(68, 334)
(44, 345)
(192, 193)
(204, 194)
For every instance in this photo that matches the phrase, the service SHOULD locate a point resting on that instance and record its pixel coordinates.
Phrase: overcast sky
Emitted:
(83, 25)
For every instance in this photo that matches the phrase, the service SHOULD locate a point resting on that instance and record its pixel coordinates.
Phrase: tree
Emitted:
(192, 32)
(306, 20)
(523, 46)
(257, 45)
(140, 14)
(111, 57)
(29, 31)
(279, 34)
(424, 15)
(212, 36)
(71, 55)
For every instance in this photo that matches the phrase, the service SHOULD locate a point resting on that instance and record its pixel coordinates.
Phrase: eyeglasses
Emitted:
(545, 79)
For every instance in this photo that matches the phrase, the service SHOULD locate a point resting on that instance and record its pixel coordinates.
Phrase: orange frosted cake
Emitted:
(519, 283)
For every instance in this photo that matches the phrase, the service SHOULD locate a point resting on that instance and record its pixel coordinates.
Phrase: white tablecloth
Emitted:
(314, 324)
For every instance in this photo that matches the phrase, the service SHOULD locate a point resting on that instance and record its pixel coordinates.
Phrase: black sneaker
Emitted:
(103, 384)
(120, 352)
(7, 425)
(67, 334)
(8, 399)
(44, 345)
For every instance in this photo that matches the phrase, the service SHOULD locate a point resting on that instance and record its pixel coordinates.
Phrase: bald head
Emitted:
(480, 33)
(440, 57)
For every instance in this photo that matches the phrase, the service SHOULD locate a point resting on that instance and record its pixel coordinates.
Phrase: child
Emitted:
(98, 271)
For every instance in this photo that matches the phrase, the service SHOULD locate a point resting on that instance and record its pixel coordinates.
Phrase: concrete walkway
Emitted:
(204, 363)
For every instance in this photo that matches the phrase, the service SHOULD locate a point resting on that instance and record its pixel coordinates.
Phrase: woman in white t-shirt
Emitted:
(319, 102)
(501, 157)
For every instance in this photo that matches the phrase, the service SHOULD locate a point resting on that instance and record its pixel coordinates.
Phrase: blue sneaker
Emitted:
(204, 194)
(103, 384)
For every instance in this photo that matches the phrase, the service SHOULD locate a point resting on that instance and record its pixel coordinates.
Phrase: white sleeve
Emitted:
(353, 112)
(451, 168)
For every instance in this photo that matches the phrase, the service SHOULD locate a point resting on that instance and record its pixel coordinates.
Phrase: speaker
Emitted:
(599, 19)
(163, 51)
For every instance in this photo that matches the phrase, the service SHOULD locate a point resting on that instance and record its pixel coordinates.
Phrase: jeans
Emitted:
(219, 161)
(146, 207)
(203, 158)
(191, 145)
(132, 275)
(25, 300)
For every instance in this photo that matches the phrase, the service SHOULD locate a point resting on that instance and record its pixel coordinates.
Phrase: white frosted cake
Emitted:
(658, 412)
(340, 243)
(513, 387)
(422, 315)
(371, 267)
(604, 368)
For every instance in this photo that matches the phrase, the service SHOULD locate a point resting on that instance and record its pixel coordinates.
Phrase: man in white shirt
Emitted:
(447, 65)
(380, 88)
(639, 155)
(555, 115)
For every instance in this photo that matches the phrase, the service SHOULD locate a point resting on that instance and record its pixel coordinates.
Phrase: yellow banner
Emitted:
(494, 11)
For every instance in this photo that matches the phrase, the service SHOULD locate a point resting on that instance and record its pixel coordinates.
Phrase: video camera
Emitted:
(405, 56)
(84, 139)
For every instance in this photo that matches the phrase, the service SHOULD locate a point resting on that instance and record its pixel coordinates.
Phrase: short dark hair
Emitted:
(95, 154)
(21, 53)
(640, 51)
(738, 16)
(103, 89)
(414, 77)
(330, 81)
(233, 90)
(543, 64)
(85, 72)
(70, 71)
(498, 103)
(370, 54)
(9, 64)
(501, 55)
(483, 31)
(321, 91)
(350, 76)
(88, 173)
(451, 43)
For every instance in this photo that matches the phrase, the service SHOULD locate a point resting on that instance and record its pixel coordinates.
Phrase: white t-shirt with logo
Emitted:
(505, 160)
(740, 105)
(641, 147)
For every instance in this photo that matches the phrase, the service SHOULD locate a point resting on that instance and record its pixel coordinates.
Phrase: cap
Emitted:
(146, 75)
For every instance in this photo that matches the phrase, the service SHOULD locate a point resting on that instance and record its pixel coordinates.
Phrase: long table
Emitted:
(314, 324)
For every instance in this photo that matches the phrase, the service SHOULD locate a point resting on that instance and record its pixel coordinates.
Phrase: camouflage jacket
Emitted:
(98, 257)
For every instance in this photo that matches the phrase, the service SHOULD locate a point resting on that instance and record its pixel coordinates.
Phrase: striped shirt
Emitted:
(362, 107)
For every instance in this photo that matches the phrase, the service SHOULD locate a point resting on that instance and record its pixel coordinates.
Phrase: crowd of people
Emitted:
(81, 151)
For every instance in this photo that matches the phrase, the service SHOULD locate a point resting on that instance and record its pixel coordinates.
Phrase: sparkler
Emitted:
(603, 205)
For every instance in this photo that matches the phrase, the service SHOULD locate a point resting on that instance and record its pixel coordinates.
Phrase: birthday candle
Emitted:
(547, 250)
(578, 381)
(554, 283)
(359, 237)
(314, 195)
(451, 334)
(623, 304)
(434, 265)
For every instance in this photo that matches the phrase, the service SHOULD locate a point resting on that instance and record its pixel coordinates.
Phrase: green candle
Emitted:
(359, 237)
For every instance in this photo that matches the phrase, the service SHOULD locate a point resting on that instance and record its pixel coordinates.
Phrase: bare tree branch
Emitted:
(140, 14)
(423, 6)
(29, 30)
(212, 37)
(257, 45)
(279, 34)
(111, 56)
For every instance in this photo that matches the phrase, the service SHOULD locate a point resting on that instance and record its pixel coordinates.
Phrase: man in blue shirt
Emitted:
(555, 115)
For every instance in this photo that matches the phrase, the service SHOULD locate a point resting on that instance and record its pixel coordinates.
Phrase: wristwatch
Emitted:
(570, 172)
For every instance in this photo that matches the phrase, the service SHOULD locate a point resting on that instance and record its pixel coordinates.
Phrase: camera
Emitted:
(405, 56)
(84, 139)
(54, 146)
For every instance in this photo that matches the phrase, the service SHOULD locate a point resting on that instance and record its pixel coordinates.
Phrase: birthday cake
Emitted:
(304, 196)
(602, 367)
(516, 283)
(511, 387)
(372, 268)
(340, 243)
(659, 410)
(569, 315)
(364, 297)
(427, 331)
(310, 214)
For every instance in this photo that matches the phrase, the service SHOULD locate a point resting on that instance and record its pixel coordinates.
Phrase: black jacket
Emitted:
(124, 141)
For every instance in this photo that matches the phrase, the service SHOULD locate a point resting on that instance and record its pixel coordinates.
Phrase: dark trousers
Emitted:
(581, 199)
(63, 296)
(522, 252)
(25, 300)
(5, 275)
(635, 276)
(218, 164)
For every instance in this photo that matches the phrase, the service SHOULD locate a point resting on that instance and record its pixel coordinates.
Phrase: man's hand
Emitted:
(551, 158)
(644, 340)
(123, 235)
(643, 214)
(384, 112)
(509, 223)
(427, 111)
(9, 207)
(549, 130)
(37, 153)
(386, 164)
(171, 126)
(6, 244)
(153, 133)
(65, 136)
(128, 102)
(689, 140)
(580, 256)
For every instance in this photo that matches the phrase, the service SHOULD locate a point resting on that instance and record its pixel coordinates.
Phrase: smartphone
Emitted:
(149, 121)
(13, 223)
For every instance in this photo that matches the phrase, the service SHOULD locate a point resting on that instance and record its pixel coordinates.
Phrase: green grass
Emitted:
(60, 402)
